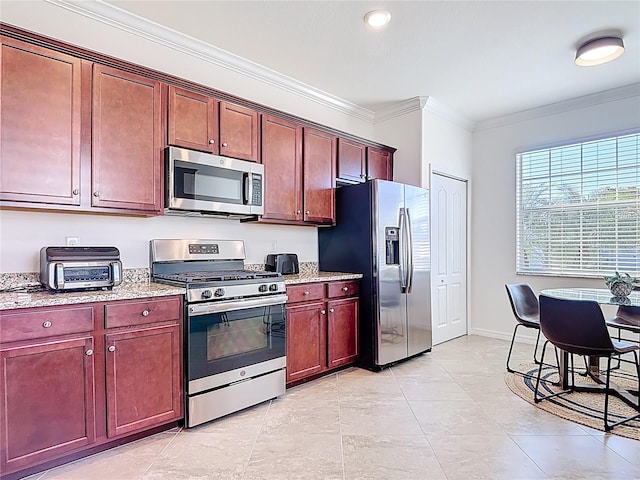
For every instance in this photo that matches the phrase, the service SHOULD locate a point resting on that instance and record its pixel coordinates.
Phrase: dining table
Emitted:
(603, 297)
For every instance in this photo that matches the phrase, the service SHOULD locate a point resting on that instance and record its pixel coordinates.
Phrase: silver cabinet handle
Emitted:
(344, 289)
(323, 312)
(96, 194)
(307, 212)
(89, 352)
(306, 293)
(112, 348)
(212, 141)
(145, 313)
(225, 144)
(331, 310)
(297, 212)
(75, 191)
(47, 324)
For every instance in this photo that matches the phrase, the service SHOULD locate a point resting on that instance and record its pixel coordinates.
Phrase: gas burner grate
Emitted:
(217, 276)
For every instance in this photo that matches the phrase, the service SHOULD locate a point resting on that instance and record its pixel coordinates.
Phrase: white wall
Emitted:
(23, 233)
(493, 197)
(404, 132)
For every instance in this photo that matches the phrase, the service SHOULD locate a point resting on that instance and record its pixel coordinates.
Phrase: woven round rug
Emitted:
(585, 408)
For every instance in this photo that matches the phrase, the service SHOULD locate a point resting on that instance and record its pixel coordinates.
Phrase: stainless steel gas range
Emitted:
(234, 325)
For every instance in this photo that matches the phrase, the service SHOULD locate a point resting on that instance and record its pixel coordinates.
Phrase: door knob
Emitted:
(212, 141)
(112, 348)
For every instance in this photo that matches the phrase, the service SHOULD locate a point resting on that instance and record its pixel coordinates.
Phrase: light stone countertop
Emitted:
(125, 291)
(137, 289)
(309, 277)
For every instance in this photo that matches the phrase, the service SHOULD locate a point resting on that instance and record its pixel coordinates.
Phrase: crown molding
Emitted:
(577, 103)
(156, 33)
(423, 103)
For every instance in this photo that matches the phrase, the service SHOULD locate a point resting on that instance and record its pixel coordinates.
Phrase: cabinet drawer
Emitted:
(45, 323)
(137, 313)
(344, 289)
(305, 292)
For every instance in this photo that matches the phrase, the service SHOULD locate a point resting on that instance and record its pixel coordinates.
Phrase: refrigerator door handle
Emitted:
(409, 252)
(403, 251)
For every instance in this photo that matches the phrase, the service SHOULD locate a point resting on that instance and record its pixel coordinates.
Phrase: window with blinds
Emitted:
(578, 209)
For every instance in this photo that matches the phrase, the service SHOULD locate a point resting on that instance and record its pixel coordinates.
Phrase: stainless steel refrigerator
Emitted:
(382, 231)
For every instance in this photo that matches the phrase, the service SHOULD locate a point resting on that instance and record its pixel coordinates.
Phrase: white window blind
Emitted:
(578, 209)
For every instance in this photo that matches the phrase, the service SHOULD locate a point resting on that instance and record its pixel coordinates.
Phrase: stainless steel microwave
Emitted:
(202, 183)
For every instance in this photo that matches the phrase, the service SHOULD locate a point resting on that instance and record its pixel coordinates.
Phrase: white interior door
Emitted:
(449, 257)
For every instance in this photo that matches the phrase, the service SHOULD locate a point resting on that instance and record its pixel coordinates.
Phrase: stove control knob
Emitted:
(263, 288)
(219, 292)
(273, 287)
(205, 294)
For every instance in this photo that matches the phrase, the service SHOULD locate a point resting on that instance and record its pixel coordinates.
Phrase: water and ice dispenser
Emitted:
(391, 237)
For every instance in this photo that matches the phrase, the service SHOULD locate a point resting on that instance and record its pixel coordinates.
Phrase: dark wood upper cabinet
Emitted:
(193, 120)
(41, 124)
(351, 161)
(319, 166)
(282, 159)
(239, 132)
(126, 141)
(379, 164)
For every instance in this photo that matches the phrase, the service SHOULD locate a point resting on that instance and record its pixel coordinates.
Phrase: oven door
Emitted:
(234, 340)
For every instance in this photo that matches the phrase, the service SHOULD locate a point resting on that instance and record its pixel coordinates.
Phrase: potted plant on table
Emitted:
(621, 285)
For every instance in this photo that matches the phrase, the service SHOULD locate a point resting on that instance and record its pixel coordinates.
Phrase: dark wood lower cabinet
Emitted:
(69, 383)
(140, 362)
(322, 328)
(47, 402)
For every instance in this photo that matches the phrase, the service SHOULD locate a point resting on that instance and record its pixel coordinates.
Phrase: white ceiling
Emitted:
(483, 59)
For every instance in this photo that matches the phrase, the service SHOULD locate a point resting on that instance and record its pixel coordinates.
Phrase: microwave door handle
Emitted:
(247, 188)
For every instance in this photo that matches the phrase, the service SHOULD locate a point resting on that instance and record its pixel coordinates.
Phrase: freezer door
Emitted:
(419, 288)
(391, 327)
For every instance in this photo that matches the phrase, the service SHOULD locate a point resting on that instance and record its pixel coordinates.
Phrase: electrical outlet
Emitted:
(72, 241)
(274, 246)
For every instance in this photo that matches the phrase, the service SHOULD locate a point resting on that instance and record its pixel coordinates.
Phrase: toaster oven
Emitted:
(80, 268)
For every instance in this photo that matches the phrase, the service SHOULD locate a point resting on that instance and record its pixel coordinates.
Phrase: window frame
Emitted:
(579, 210)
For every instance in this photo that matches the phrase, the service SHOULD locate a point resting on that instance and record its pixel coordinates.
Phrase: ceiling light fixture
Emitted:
(599, 50)
(377, 18)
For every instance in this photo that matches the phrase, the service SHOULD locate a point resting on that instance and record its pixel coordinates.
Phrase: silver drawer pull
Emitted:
(47, 324)
(344, 289)
(306, 293)
(89, 352)
(331, 310)
(112, 348)
(145, 313)
(323, 312)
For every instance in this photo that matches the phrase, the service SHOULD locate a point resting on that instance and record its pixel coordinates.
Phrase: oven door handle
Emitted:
(217, 307)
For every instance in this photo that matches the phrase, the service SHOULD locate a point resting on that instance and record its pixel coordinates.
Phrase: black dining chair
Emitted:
(524, 304)
(578, 327)
(628, 319)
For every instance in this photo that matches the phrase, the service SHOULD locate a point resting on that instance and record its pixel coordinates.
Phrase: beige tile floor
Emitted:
(443, 415)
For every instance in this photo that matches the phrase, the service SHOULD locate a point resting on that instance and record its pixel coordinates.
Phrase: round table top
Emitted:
(600, 295)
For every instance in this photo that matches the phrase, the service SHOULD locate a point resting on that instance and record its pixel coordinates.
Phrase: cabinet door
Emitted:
(193, 120)
(342, 332)
(306, 340)
(40, 127)
(143, 379)
(127, 142)
(379, 164)
(46, 401)
(351, 160)
(238, 132)
(319, 160)
(282, 159)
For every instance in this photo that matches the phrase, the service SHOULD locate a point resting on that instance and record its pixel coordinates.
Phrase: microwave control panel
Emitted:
(256, 185)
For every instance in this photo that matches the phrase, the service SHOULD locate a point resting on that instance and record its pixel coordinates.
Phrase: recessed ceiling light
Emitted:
(377, 18)
(599, 50)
